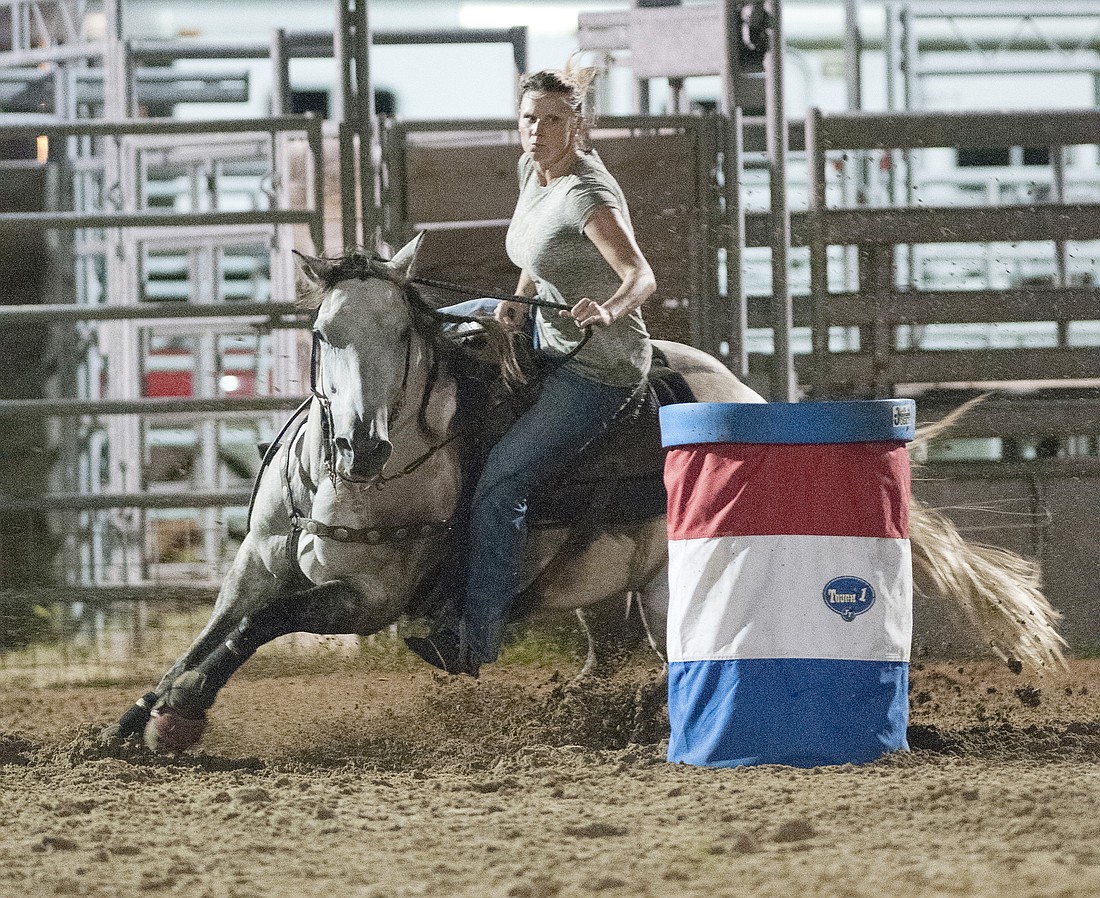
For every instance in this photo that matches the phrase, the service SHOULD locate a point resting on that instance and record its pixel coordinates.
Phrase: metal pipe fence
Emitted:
(879, 231)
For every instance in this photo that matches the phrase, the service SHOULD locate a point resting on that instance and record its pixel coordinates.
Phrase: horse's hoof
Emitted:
(170, 730)
(111, 735)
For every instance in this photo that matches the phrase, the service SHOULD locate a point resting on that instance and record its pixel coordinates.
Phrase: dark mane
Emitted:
(493, 351)
(354, 266)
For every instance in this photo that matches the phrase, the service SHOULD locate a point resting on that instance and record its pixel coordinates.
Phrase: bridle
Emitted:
(317, 391)
(299, 521)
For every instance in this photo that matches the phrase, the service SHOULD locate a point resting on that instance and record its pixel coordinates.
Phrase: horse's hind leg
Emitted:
(653, 609)
(614, 629)
(247, 586)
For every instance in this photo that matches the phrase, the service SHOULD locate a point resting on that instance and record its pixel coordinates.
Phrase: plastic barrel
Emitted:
(790, 574)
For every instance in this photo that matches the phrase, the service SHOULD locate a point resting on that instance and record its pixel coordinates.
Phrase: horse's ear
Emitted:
(404, 262)
(315, 270)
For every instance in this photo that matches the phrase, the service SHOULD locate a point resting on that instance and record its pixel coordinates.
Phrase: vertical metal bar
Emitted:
(881, 264)
(893, 68)
(676, 96)
(641, 96)
(853, 54)
(129, 80)
(819, 253)
(280, 73)
(732, 168)
(518, 37)
(315, 138)
(1058, 196)
(385, 205)
(730, 137)
(784, 385)
(704, 304)
(912, 101)
(909, 61)
(857, 177)
(890, 44)
(364, 94)
(114, 87)
(348, 215)
(1061, 258)
(342, 49)
(398, 184)
(118, 341)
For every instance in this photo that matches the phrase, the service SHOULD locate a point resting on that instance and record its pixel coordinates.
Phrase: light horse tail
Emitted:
(999, 591)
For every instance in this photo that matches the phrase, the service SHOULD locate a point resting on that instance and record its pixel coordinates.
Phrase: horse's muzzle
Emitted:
(363, 461)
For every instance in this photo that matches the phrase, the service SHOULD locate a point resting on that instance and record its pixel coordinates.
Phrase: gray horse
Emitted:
(351, 512)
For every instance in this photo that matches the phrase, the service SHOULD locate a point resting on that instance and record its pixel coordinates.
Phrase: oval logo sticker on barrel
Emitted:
(848, 596)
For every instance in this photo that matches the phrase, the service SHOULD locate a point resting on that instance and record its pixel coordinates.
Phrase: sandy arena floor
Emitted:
(349, 779)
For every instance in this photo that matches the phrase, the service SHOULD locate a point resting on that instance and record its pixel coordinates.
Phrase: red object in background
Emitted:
(165, 384)
(170, 374)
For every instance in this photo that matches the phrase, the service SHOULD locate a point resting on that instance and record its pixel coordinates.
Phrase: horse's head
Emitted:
(361, 354)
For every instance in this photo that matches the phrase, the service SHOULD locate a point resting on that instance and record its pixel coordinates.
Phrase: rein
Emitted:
(452, 287)
(382, 479)
(300, 522)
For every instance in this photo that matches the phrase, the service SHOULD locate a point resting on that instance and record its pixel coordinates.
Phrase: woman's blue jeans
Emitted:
(570, 412)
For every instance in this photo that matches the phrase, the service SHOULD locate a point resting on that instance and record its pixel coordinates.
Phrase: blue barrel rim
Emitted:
(789, 423)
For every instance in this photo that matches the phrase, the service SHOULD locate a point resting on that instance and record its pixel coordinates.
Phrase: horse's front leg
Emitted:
(178, 717)
(249, 585)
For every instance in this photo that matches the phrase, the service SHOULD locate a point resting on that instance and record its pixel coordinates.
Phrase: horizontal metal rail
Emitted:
(950, 366)
(278, 314)
(61, 408)
(167, 590)
(922, 307)
(12, 128)
(70, 220)
(107, 501)
(319, 44)
(151, 85)
(1026, 417)
(1004, 9)
(1021, 471)
(917, 130)
(963, 224)
(966, 306)
(56, 53)
(604, 123)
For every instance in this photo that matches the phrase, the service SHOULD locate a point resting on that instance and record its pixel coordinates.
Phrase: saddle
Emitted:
(619, 478)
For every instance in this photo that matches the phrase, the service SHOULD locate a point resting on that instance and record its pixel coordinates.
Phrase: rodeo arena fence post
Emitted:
(790, 573)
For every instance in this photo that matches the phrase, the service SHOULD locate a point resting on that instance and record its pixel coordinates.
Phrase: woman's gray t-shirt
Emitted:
(546, 239)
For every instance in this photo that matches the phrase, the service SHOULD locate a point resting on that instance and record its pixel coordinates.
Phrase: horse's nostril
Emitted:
(343, 444)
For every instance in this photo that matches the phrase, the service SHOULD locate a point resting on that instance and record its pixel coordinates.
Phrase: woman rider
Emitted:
(572, 240)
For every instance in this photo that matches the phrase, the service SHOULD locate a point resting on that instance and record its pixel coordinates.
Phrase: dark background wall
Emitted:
(25, 542)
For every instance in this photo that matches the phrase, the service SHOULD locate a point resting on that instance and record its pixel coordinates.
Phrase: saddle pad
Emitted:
(620, 476)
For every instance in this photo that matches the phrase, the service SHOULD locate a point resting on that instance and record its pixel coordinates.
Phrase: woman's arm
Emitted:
(511, 314)
(607, 229)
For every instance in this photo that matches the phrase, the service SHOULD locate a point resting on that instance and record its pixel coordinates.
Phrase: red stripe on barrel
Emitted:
(835, 489)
